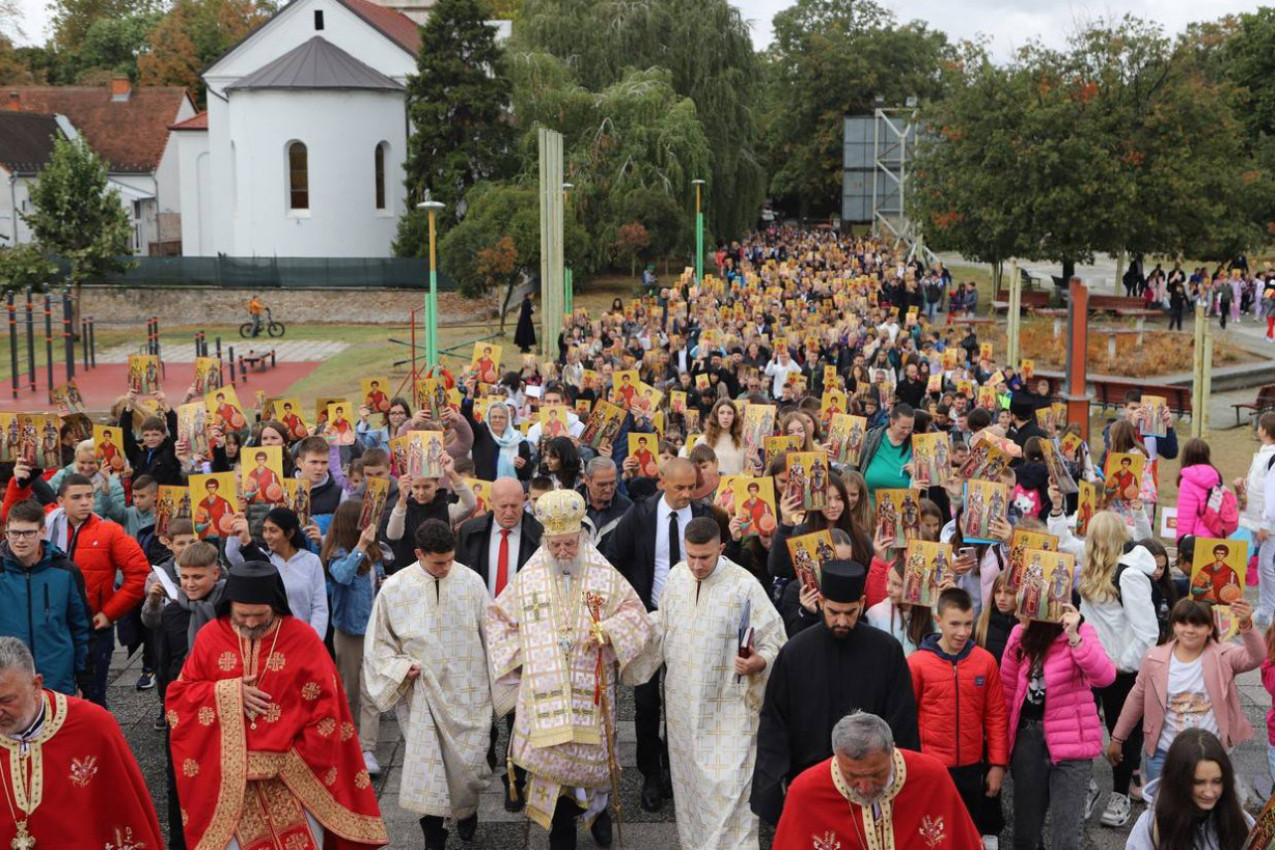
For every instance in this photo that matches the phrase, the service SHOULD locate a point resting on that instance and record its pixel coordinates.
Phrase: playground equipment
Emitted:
(52, 300)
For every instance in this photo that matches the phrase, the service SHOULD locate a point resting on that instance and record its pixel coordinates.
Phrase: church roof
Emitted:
(392, 23)
(316, 64)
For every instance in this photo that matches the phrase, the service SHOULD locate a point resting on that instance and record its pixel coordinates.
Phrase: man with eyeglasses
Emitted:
(604, 502)
(42, 601)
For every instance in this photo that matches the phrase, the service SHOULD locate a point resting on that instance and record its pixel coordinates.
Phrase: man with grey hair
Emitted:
(61, 755)
(604, 502)
(897, 798)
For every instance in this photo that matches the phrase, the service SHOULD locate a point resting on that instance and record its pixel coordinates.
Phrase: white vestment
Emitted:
(712, 718)
(446, 714)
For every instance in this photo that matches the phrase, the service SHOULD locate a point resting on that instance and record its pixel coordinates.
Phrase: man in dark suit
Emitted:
(646, 544)
(496, 546)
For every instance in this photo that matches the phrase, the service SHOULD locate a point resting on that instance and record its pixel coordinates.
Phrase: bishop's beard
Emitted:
(567, 566)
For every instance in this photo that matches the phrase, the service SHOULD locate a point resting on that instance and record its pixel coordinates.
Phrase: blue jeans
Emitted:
(101, 648)
(1152, 765)
(931, 308)
(1270, 758)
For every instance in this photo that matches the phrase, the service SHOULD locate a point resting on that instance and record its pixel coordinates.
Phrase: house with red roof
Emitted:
(129, 128)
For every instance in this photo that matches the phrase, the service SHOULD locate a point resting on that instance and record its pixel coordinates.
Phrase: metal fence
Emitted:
(280, 273)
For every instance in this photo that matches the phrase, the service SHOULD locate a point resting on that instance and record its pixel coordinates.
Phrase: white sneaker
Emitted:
(1091, 799)
(372, 765)
(1117, 812)
(991, 842)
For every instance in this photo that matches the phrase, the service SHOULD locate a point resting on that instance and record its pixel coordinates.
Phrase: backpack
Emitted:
(1221, 514)
(933, 293)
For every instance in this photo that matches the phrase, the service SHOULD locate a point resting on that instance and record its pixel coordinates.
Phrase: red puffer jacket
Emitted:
(959, 704)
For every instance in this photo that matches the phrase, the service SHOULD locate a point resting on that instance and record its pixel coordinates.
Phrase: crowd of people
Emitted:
(784, 506)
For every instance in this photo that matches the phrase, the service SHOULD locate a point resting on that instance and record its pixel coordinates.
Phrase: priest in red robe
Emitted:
(76, 783)
(264, 747)
(872, 796)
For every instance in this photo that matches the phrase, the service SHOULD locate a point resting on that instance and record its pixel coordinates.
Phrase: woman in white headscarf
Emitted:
(500, 450)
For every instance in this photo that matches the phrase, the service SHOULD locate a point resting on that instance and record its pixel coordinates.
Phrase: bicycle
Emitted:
(270, 326)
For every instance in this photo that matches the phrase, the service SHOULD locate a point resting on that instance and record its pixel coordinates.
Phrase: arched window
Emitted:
(298, 177)
(380, 174)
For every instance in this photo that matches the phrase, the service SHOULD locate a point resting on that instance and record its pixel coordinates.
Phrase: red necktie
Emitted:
(502, 562)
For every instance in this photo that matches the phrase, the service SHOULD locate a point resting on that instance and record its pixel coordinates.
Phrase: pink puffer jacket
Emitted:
(1072, 727)
(1193, 496)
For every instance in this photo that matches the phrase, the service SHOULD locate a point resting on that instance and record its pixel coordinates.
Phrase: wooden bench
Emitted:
(1265, 401)
(1113, 335)
(1110, 392)
(257, 361)
(1115, 303)
(1031, 301)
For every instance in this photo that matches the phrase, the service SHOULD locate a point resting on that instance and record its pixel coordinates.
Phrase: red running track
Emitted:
(102, 385)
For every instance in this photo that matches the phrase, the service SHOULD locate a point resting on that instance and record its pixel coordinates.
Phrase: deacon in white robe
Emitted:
(425, 653)
(712, 695)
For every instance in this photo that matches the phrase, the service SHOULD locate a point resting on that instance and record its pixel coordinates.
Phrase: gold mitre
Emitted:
(560, 512)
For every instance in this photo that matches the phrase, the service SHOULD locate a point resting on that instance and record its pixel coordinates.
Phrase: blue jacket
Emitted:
(351, 594)
(47, 609)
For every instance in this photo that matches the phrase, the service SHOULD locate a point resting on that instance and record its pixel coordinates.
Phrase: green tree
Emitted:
(1237, 51)
(26, 265)
(830, 59)
(626, 147)
(192, 35)
(458, 103)
(706, 48)
(472, 252)
(77, 217)
(1121, 143)
(111, 46)
(72, 19)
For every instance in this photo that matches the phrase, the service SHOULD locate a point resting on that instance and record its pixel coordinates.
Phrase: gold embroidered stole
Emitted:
(559, 685)
(878, 820)
(54, 717)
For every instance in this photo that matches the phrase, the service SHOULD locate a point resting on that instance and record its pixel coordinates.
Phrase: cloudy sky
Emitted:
(1009, 23)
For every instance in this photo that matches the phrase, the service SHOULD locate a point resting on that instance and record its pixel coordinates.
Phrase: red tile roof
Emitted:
(394, 25)
(128, 134)
(196, 122)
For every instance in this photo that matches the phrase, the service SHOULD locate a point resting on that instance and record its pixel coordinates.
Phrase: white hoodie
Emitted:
(1259, 512)
(1127, 627)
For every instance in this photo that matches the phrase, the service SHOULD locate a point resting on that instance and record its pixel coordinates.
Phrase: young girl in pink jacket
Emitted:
(1197, 478)
(1188, 683)
(1268, 682)
(1048, 673)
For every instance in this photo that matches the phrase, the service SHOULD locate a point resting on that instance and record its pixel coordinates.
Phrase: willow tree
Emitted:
(705, 47)
(631, 140)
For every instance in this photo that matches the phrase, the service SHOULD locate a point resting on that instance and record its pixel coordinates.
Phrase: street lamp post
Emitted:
(699, 233)
(431, 300)
(568, 296)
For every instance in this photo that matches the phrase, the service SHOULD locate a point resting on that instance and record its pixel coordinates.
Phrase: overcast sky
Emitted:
(1009, 23)
(1012, 23)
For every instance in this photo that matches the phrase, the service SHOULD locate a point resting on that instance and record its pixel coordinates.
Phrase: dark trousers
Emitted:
(101, 648)
(520, 774)
(435, 834)
(1112, 699)
(652, 751)
(985, 811)
(562, 829)
(1175, 318)
(176, 838)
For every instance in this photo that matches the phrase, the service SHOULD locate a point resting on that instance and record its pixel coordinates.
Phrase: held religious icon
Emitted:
(925, 566)
(1217, 572)
(1045, 585)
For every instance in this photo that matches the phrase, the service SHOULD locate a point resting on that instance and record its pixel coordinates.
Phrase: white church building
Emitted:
(300, 152)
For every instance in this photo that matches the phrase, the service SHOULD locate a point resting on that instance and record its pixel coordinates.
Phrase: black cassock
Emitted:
(525, 334)
(816, 681)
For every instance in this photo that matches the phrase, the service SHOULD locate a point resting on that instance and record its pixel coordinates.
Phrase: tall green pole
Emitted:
(568, 294)
(699, 233)
(431, 300)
